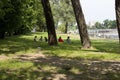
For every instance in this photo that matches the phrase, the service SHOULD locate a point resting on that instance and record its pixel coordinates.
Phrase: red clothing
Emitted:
(60, 40)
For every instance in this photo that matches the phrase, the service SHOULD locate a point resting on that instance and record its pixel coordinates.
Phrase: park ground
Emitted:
(23, 59)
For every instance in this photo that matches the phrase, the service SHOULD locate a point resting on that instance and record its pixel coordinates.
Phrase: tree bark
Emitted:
(85, 41)
(2, 35)
(66, 27)
(117, 9)
(52, 39)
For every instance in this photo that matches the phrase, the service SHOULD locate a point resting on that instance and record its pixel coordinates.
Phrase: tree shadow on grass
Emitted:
(60, 68)
(17, 44)
(75, 69)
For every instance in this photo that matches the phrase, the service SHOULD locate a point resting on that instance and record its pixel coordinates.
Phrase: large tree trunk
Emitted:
(85, 41)
(52, 39)
(117, 8)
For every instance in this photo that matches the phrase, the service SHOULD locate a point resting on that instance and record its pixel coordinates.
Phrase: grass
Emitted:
(19, 44)
(14, 64)
(65, 61)
(102, 50)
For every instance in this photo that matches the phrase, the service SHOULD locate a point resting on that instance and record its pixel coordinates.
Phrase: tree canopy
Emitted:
(20, 16)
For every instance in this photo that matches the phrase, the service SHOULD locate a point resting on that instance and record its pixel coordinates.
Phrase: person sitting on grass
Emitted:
(46, 40)
(60, 39)
(35, 38)
(68, 39)
(41, 39)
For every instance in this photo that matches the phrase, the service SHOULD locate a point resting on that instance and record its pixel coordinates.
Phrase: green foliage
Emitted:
(63, 13)
(20, 16)
(109, 24)
(106, 24)
(98, 25)
(61, 28)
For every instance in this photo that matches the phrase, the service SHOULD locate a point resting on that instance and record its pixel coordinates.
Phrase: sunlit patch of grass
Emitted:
(14, 64)
(100, 50)
(49, 68)
(75, 70)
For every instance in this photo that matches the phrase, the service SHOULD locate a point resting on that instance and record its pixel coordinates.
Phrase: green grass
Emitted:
(102, 48)
(14, 64)
(19, 44)
(66, 59)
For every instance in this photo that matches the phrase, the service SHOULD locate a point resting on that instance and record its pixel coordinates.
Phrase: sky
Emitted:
(98, 10)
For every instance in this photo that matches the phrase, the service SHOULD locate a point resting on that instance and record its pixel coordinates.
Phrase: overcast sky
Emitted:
(98, 10)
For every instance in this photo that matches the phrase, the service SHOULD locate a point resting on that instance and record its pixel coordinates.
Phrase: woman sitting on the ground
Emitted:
(60, 39)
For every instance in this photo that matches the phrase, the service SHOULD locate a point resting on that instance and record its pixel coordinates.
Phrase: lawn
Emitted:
(23, 59)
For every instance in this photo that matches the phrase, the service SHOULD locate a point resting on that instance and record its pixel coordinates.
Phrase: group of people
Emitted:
(67, 40)
(46, 39)
(40, 39)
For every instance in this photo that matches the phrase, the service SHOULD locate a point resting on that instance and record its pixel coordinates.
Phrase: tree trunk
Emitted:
(85, 41)
(66, 27)
(52, 39)
(2, 35)
(117, 8)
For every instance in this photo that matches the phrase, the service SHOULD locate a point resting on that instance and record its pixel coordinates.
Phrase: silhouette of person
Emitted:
(68, 39)
(41, 38)
(35, 38)
(45, 39)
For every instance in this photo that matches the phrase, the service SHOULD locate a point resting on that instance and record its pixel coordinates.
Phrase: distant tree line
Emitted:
(106, 24)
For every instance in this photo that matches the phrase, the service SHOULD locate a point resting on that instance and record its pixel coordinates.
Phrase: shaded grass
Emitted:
(70, 69)
(19, 44)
